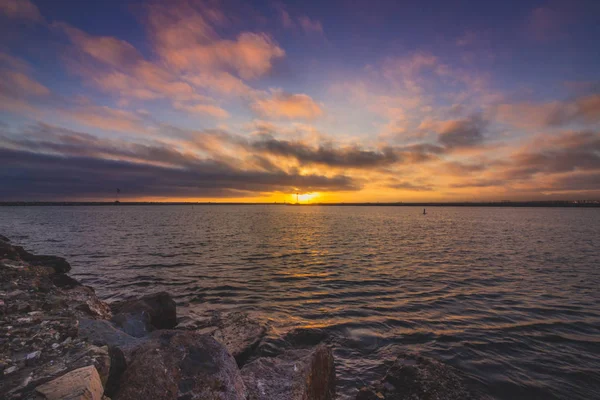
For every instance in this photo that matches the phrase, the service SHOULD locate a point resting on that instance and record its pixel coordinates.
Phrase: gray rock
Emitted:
(306, 374)
(134, 324)
(31, 357)
(101, 333)
(181, 365)
(10, 370)
(80, 384)
(413, 377)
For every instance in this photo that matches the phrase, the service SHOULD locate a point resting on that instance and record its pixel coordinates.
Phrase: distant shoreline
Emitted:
(569, 204)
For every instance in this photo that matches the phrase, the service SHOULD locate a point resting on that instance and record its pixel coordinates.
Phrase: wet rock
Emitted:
(158, 308)
(417, 378)
(181, 365)
(4, 239)
(64, 281)
(238, 333)
(305, 374)
(80, 384)
(306, 336)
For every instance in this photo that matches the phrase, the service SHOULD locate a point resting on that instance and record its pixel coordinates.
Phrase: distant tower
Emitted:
(118, 191)
(297, 201)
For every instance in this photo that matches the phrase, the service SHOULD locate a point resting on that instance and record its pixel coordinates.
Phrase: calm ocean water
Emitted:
(510, 296)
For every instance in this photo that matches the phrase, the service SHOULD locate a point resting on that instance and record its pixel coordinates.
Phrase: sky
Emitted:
(339, 101)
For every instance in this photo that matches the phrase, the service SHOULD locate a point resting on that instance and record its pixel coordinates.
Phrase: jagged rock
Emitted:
(417, 378)
(4, 239)
(80, 384)
(97, 356)
(181, 365)
(306, 374)
(85, 303)
(238, 333)
(141, 315)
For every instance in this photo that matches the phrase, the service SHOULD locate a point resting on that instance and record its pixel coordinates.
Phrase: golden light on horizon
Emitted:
(306, 197)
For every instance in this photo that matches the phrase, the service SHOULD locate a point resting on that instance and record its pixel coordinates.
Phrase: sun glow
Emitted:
(306, 197)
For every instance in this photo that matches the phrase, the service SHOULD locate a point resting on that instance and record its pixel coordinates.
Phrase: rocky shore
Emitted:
(59, 341)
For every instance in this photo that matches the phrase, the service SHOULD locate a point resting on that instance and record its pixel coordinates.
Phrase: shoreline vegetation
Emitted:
(58, 340)
(557, 203)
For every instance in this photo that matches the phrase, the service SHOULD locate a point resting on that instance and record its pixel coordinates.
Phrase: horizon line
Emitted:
(502, 203)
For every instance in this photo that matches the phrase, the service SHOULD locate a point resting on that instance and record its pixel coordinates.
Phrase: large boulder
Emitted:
(80, 384)
(238, 333)
(181, 365)
(413, 377)
(305, 374)
(138, 317)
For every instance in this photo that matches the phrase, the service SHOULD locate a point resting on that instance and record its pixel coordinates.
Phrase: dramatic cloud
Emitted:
(72, 164)
(564, 153)
(209, 99)
(462, 133)
(285, 105)
(351, 157)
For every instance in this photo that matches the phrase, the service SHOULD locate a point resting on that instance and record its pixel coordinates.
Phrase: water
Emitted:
(510, 296)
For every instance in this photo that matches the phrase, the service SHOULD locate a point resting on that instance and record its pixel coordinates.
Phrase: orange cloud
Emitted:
(184, 38)
(109, 50)
(208, 109)
(288, 106)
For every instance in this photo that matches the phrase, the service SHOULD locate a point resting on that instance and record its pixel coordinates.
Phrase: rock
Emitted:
(101, 332)
(181, 365)
(136, 325)
(238, 333)
(79, 384)
(117, 368)
(58, 264)
(159, 308)
(64, 281)
(98, 357)
(31, 357)
(417, 378)
(306, 374)
(84, 302)
(10, 370)
(306, 336)
(4, 239)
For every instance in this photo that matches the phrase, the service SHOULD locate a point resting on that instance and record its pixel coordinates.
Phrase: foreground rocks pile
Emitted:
(59, 341)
